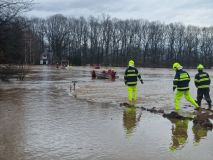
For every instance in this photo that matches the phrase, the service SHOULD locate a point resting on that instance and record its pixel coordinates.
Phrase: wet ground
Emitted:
(43, 118)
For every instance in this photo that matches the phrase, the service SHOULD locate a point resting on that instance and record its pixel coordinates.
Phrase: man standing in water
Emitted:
(202, 82)
(181, 82)
(130, 77)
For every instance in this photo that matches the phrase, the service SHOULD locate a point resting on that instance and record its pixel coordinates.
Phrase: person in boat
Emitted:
(93, 74)
(113, 73)
(109, 71)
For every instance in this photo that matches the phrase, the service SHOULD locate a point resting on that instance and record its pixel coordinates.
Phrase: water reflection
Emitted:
(130, 120)
(179, 133)
(199, 133)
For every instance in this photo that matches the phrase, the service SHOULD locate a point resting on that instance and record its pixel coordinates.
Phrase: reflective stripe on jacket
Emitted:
(181, 80)
(131, 75)
(202, 80)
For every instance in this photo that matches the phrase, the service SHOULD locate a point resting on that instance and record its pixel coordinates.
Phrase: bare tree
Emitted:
(191, 42)
(206, 46)
(57, 30)
(9, 9)
(12, 29)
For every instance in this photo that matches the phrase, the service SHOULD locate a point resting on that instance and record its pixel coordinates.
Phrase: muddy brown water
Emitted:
(42, 118)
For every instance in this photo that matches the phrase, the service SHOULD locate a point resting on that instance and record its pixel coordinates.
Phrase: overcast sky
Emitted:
(194, 12)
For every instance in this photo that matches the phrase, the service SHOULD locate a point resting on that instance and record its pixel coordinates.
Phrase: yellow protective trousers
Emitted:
(188, 97)
(132, 93)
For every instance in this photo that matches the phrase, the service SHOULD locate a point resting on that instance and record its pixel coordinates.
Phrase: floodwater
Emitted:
(43, 118)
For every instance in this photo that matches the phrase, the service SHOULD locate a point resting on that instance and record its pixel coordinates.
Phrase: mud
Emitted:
(203, 121)
(202, 116)
(175, 115)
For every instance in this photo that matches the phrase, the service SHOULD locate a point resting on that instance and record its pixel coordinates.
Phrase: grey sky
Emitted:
(194, 12)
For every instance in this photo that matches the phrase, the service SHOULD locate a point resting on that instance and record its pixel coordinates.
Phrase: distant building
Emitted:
(45, 58)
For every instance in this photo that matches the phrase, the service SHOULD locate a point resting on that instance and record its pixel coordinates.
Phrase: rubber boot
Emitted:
(210, 106)
(198, 102)
(198, 109)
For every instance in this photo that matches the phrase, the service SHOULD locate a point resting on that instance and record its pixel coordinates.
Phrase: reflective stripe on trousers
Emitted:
(188, 97)
(132, 93)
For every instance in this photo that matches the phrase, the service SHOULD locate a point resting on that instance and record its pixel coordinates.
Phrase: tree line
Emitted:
(104, 40)
(15, 32)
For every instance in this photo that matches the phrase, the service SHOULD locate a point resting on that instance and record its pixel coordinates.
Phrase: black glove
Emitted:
(141, 81)
(174, 89)
(125, 82)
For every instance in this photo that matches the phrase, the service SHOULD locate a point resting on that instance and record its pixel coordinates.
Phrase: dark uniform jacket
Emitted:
(202, 80)
(181, 80)
(131, 75)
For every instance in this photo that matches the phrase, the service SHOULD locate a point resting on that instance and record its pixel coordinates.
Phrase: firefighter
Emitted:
(202, 82)
(181, 83)
(130, 77)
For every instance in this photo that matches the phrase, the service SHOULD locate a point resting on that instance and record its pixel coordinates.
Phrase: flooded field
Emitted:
(43, 118)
